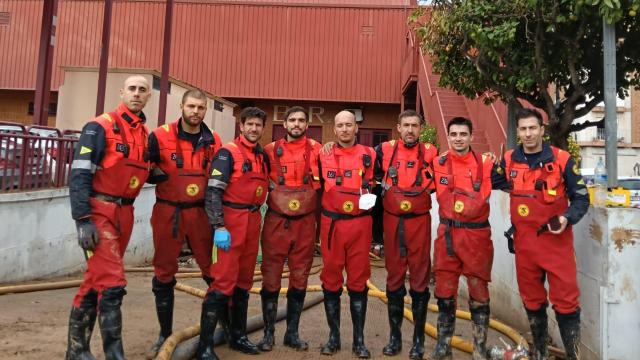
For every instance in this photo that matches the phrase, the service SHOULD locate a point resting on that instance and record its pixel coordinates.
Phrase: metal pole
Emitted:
(611, 118)
(512, 126)
(45, 62)
(166, 59)
(104, 56)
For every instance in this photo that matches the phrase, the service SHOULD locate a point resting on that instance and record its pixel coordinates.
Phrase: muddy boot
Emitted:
(446, 326)
(110, 320)
(538, 324)
(480, 323)
(81, 322)
(164, 309)
(569, 325)
(395, 308)
(419, 303)
(295, 304)
(332, 310)
(214, 305)
(269, 313)
(238, 335)
(358, 307)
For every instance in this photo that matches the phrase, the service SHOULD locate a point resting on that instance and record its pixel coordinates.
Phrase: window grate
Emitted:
(5, 18)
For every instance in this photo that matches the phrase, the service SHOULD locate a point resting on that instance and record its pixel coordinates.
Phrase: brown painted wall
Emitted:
(14, 106)
(376, 116)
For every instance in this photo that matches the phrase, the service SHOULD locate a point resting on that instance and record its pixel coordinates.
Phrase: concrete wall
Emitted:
(38, 237)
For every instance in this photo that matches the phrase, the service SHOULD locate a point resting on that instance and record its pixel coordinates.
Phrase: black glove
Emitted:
(87, 234)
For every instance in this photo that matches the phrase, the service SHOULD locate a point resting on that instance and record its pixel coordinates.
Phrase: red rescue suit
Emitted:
(407, 181)
(536, 196)
(179, 210)
(345, 229)
(463, 245)
(246, 192)
(290, 223)
(116, 183)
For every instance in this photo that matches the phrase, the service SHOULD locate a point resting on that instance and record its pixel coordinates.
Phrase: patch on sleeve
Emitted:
(85, 150)
(576, 169)
(216, 172)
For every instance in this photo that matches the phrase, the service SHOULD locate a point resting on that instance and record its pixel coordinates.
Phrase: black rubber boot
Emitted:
(81, 322)
(358, 307)
(446, 326)
(480, 322)
(214, 305)
(395, 309)
(295, 304)
(419, 303)
(569, 325)
(332, 310)
(164, 309)
(238, 330)
(269, 313)
(110, 320)
(538, 323)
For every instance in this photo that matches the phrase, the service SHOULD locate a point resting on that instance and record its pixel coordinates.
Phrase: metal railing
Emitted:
(34, 158)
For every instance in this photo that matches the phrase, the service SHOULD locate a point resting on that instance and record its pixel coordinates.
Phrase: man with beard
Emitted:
(181, 153)
(237, 187)
(345, 230)
(289, 225)
(404, 167)
(107, 174)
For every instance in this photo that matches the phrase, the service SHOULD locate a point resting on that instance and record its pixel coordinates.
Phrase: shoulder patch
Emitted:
(107, 117)
(427, 146)
(166, 127)
(392, 142)
(576, 169)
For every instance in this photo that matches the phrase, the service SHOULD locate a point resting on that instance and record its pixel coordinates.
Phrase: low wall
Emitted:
(38, 237)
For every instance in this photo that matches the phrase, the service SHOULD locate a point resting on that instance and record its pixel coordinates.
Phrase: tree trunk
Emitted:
(557, 137)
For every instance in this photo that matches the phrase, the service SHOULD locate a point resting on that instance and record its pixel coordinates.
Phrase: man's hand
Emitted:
(327, 148)
(87, 234)
(222, 238)
(563, 225)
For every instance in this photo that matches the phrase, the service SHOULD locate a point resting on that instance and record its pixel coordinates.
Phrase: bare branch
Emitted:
(586, 124)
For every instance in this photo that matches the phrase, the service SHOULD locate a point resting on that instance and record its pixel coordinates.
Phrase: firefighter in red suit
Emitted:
(289, 228)
(463, 245)
(548, 196)
(345, 230)
(107, 173)
(181, 153)
(237, 187)
(404, 167)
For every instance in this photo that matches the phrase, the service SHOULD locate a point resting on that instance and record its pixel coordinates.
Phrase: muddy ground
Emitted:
(33, 326)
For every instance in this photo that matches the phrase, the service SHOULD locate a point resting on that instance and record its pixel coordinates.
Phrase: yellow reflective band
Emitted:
(580, 182)
(214, 254)
(84, 150)
(216, 172)
(551, 192)
(316, 178)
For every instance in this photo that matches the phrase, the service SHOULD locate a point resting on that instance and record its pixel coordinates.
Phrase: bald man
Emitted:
(107, 173)
(345, 230)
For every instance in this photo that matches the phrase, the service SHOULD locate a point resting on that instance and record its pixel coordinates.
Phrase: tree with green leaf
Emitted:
(546, 52)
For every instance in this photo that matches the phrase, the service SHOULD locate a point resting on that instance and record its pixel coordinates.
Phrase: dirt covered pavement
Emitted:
(33, 326)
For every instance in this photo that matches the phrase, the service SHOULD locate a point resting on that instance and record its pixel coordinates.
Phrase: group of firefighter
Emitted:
(209, 194)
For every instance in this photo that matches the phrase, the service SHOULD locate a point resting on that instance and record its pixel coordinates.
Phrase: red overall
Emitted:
(289, 226)
(116, 184)
(241, 201)
(463, 245)
(179, 210)
(407, 222)
(345, 229)
(537, 195)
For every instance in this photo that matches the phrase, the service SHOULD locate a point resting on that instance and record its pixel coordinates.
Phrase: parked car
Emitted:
(34, 171)
(633, 185)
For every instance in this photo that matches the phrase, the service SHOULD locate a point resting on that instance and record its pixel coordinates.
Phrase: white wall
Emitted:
(38, 237)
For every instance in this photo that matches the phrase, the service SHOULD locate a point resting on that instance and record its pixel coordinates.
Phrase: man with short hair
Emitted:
(289, 228)
(548, 196)
(181, 153)
(107, 174)
(463, 245)
(237, 187)
(405, 169)
(345, 230)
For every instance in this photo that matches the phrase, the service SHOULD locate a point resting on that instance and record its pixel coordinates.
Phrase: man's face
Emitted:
(409, 129)
(193, 111)
(296, 124)
(135, 93)
(530, 132)
(460, 138)
(252, 129)
(345, 128)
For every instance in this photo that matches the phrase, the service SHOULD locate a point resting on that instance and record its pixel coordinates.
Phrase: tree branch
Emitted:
(586, 124)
